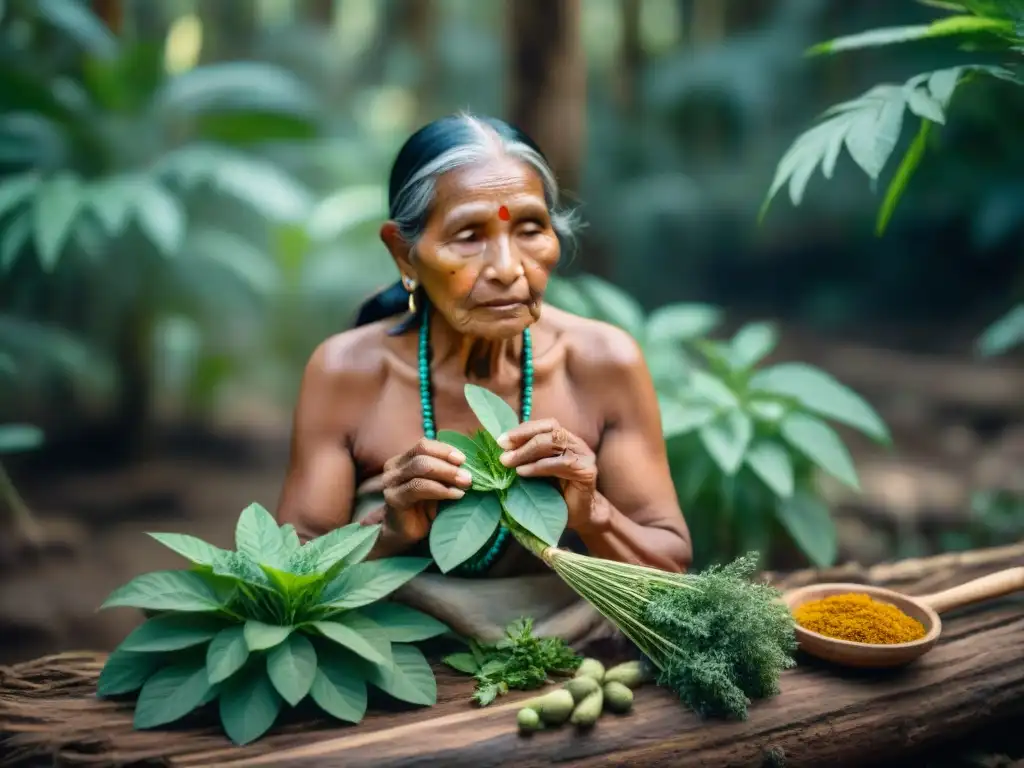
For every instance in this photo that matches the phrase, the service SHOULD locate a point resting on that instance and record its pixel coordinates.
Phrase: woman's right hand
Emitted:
(429, 472)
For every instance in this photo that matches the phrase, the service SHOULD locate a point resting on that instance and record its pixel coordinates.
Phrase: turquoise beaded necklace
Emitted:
(485, 558)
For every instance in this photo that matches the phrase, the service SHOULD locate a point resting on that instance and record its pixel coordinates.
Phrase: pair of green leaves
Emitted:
(270, 624)
(464, 527)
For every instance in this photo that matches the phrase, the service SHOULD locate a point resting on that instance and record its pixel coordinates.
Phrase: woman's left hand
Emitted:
(544, 448)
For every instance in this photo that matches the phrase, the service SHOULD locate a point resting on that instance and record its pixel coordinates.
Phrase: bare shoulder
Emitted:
(596, 348)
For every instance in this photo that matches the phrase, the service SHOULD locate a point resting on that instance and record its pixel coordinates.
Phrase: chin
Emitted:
(501, 328)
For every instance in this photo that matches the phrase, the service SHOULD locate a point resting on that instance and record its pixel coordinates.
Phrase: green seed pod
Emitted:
(529, 720)
(588, 710)
(591, 668)
(581, 687)
(631, 674)
(554, 708)
(618, 698)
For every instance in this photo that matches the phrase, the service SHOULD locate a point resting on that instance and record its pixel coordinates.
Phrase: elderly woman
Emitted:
(475, 231)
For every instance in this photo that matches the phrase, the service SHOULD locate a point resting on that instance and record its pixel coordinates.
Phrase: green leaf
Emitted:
(235, 86)
(462, 662)
(57, 205)
(170, 694)
(539, 507)
(678, 323)
(873, 134)
(166, 591)
(125, 672)
(292, 587)
(227, 653)
(189, 547)
(494, 414)
(249, 705)
(292, 667)
(16, 190)
(409, 678)
(726, 439)
(951, 25)
(338, 687)
(335, 546)
(682, 418)
(772, 464)
(614, 305)
(112, 201)
(365, 583)
(161, 216)
(819, 443)
(345, 631)
(816, 391)
(808, 521)
(768, 411)
(462, 528)
(15, 237)
(172, 632)
(290, 539)
(894, 192)
(78, 23)
(713, 389)
(17, 438)
(260, 636)
(402, 624)
(462, 442)
(258, 536)
(1004, 334)
(485, 476)
(752, 343)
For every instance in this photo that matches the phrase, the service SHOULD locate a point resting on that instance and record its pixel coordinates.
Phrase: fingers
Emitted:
(418, 489)
(425, 447)
(429, 471)
(554, 442)
(570, 466)
(526, 431)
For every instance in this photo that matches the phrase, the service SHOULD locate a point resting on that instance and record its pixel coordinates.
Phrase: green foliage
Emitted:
(519, 661)
(498, 496)
(732, 638)
(1004, 334)
(743, 440)
(271, 623)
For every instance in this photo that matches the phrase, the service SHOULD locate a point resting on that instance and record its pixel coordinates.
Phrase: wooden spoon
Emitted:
(925, 609)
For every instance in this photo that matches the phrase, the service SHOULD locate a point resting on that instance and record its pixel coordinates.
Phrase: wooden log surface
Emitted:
(824, 716)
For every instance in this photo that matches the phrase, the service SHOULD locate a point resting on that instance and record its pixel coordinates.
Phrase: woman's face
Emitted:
(488, 249)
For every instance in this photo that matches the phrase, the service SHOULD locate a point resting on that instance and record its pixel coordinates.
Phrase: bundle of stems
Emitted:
(716, 638)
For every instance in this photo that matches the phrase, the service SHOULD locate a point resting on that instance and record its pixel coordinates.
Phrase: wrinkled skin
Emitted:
(595, 426)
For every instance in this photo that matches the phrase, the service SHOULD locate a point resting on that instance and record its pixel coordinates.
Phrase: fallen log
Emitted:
(824, 716)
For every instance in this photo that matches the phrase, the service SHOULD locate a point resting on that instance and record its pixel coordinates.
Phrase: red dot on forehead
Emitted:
(503, 213)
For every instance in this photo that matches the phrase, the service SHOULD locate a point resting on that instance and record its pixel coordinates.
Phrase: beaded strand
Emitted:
(483, 560)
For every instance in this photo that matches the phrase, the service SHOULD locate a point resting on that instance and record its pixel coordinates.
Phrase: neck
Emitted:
(479, 359)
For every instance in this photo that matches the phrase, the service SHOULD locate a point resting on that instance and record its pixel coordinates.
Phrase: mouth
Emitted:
(502, 303)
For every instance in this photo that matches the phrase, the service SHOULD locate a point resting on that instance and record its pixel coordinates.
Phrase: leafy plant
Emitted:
(272, 623)
(498, 495)
(518, 661)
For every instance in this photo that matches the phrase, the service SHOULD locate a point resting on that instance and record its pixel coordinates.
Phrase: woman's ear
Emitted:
(399, 249)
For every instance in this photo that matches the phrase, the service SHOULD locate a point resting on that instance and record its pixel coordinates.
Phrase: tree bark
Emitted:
(631, 58)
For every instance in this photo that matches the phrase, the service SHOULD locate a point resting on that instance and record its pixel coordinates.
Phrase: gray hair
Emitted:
(412, 203)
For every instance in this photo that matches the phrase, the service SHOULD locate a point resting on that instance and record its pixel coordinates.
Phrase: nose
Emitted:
(504, 264)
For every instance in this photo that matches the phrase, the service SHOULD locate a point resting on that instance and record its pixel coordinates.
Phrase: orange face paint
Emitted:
(503, 214)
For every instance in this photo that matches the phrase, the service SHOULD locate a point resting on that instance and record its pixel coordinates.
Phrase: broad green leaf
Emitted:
(726, 439)
(161, 216)
(16, 190)
(292, 586)
(341, 542)
(409, 678)
(816, 391)
(752, 343)
(125, 672)
(172, 632)
(227, 653)
(290, 539)
(477, 464)
(292, 667)
(57, 206)
(1004, 334)
(462, 662)
(345, 631)
(258, 536)
(368, 582)
(819, 443)
(766, 410)
(338, 687)
(810, 524)
(232, 86)
(494, 414)
(873, 134)
(901, 178)
(113, 200)
(678, 323)
(462, 528)
(189, 547)
(402, 624)
(566, 295)
(681, 418)
(614, 305)
(772, 464)
(260, 636)
(462, 442)
(924, 105)
(166, 591)
(539, 507)
(17, 438)
(713, 389)
(264, 187)
(16, 236)
(942, 83)
(949, 26)
(362, 550)
(249, 705)
(170, 694)
(77, 22)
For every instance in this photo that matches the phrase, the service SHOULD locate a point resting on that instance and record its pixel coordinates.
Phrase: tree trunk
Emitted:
(318, 12)
(631, 58)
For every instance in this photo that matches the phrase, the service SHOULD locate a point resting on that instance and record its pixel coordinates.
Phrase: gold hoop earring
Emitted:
(412, 303)
(410, 286)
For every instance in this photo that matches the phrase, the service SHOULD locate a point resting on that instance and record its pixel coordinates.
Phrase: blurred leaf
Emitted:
(809, 522)
(249, 86)
(80, 24)
(18, 438)
(713, 389)
(679, 419)
(952, 25)
(766, 410)
(727, 438)
(820, 443)
(566, 295)
(752, 343)
(112, 200)
(614, 305)
(816, 391)
(772, 464)
(681, 322)
(16, 190)
(252, 266)
(57, 205)
(898, 185)
(13, 239)
(161, 217)
(1004, 334)
(346, 209)
(251, 128)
